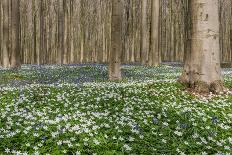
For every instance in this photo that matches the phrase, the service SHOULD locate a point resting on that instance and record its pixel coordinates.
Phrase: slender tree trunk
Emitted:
(82, 31)
(15, 56)
(202, 70)
(1, 32)
(144, 44)
(72, 56)
(230, 38)
(132, 49)
(35, 37)
(154, 54)
(65, 35)
(5, 53)
(116, 44)
(60, 32)
(42, 32)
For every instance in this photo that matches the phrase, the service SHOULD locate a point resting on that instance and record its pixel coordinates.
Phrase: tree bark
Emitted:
(202, 71)
(154, 54)
(60, 32)
(65, 35)
(42, 50)
(15, 56)
(72, 55)
(144, 44)
(5, 52)
(116, 44)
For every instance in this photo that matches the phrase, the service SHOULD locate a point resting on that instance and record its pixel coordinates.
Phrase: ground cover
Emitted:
(75, 110)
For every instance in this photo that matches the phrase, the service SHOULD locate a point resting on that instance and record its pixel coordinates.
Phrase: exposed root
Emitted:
(183, 81)
(216, 87)
(207, 96)
(202, 87)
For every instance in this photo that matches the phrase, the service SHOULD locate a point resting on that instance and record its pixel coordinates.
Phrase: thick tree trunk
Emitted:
(15, 56)
(5, 53)
(154, 53)
(116, 44)
(202, 70)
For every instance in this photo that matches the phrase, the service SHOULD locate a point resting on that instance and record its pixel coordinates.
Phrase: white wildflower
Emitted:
(96, 142)
(178, 133)
(127, 147)
(7, 150)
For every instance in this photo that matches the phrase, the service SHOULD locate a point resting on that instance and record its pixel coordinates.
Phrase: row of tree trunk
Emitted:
(79, 31)
(202, 70)
(10, 33)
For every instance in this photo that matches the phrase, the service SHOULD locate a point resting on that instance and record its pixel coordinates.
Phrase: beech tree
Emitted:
(116, 44)
(66, 32)
(42, 46)
(15, 21)
(144, 44)
(5, 53)
(79, 31)
(60, 32)
(154, 53)
(202, 71)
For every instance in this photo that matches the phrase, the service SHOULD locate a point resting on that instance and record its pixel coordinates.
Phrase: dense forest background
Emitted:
(82, 29)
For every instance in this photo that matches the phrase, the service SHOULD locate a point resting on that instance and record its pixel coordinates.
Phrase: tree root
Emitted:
(215, 87)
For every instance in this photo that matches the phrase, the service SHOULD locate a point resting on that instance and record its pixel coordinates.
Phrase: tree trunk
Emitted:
(72, 56)
(60, 32)
(144, 44)
(42, 32)
(15, 56)
(5, 53)
(202, 70)
(116, 44)
(154, 54)
(65, 35)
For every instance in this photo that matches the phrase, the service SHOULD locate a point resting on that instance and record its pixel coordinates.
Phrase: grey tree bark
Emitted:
(202, 71)
(116, 44)
(42, 32)
(154, 53)
(5, 52)
(65, 35)
(60, 32)
(15, 21)
(144, 38)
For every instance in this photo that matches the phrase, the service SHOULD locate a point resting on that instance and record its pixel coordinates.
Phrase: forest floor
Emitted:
(75, 110)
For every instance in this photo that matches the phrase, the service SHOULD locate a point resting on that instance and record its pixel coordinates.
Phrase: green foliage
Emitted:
(141, 115)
